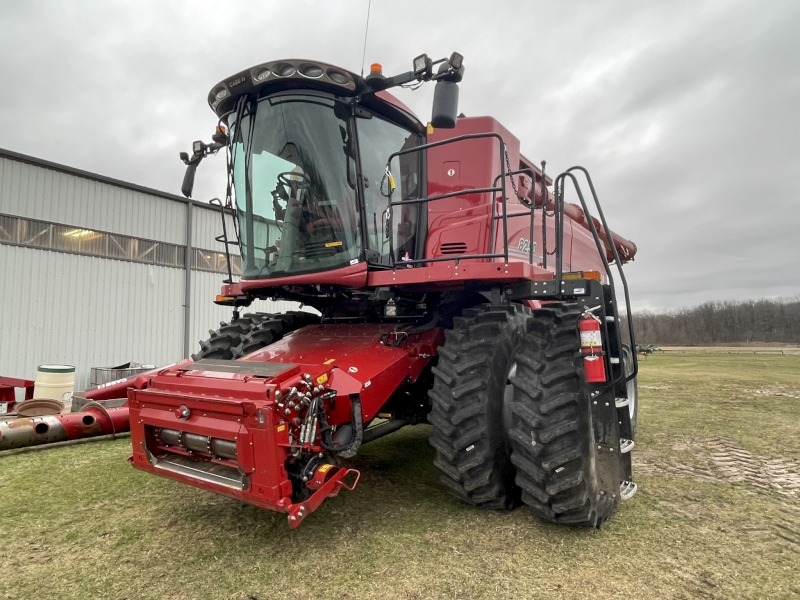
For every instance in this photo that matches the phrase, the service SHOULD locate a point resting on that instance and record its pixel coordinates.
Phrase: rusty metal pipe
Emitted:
(93, 421)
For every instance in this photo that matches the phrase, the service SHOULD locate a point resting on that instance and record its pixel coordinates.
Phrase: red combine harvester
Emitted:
(453, 288)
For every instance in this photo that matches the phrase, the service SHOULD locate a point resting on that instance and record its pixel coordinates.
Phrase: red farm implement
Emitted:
(451, 286)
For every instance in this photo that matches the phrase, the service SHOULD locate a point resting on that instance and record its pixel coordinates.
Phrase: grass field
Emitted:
(717, 460)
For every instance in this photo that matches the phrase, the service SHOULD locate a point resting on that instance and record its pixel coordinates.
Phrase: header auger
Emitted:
(451, 287)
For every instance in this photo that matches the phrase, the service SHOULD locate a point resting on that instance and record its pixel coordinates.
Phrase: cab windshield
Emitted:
(295, 187)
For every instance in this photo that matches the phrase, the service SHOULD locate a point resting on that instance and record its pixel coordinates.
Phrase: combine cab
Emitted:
(452, 287)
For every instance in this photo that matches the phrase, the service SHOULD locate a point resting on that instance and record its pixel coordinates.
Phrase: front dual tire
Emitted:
(512, 416)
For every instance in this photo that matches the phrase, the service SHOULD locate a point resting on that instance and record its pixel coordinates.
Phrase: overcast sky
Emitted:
(687, 113)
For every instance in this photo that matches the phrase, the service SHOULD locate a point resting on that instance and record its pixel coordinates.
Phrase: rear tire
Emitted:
(469, 436)
(551, 433)
(250, 333)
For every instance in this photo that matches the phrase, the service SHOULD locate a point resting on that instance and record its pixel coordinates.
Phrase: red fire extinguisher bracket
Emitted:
(594, 364)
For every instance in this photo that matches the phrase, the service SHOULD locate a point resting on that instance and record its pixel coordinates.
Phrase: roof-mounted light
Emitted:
(423, 66)
(310, 70)
(262, 75)
(284, 69)
(278, 75)
(338, 77)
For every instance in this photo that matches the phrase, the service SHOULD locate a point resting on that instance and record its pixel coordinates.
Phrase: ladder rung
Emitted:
(625, 445)
(622, 402)
(627, 489)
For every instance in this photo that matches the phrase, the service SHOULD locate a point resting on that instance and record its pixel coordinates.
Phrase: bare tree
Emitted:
(721, 322)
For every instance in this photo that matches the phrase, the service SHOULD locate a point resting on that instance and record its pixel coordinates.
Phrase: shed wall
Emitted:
(34, 192)
(94, 312)
(90, 311)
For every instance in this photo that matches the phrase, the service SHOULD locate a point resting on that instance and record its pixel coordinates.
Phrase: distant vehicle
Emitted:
(648, 349)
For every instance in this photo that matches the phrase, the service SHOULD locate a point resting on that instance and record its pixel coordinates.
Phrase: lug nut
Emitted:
(288, 411)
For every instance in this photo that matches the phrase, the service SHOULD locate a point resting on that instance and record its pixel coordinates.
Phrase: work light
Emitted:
(422, 65)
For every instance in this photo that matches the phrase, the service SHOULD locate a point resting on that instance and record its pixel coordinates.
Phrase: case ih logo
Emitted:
(235, 82)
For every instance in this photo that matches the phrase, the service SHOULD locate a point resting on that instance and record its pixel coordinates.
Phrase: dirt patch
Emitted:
(765, 473)
(722, 460)
(783, 391)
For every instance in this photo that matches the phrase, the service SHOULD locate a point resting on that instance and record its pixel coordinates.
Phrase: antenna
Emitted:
(366, 31)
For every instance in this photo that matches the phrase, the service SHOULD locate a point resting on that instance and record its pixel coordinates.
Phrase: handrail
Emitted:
(559, 215)
(532, 173)
(494, 189)
(618, 262)
(545, 193)
(223, 239)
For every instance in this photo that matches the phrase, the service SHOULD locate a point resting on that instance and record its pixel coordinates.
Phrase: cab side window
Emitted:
(378, 139)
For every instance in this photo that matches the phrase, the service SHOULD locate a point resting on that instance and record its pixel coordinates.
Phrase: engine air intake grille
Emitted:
(453, 248)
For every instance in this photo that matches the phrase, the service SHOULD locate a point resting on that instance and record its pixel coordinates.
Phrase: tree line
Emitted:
(723, 322)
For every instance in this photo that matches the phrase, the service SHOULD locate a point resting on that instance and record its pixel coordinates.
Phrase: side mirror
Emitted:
(445, 105)
(188, 180)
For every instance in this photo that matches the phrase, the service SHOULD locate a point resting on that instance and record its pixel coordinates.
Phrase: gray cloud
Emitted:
(685, 112)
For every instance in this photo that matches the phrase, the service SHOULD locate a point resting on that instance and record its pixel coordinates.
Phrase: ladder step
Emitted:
(622, 402)
(627, 489)
(625, 445)
(614, 360)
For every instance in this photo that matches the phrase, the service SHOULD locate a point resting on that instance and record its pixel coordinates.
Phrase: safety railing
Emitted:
(530, 213)
(559, 187)
(558, 214)
(223, 238)
(494, 189)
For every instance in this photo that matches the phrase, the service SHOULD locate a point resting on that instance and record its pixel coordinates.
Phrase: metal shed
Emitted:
(99, 272)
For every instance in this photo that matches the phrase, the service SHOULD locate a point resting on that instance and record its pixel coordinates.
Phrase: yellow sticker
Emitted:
(281, 428)
(333, 244)
(329, 361)
(322, 378)
(430, 128)
(325, 468)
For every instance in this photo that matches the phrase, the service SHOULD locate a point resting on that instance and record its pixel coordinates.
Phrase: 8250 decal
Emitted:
(524, 245)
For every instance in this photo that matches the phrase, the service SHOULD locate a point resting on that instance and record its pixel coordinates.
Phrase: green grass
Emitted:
(78, 522)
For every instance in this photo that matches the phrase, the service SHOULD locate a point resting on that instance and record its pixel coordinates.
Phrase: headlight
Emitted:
(262, 75)
(337, 77)
(310, 70)
(283, 69)
(421, 63)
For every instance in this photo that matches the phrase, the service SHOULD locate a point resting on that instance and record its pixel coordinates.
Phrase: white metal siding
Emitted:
(206, 225)
(206, 315)
(96, 312)
(38, 193)
(86, 311)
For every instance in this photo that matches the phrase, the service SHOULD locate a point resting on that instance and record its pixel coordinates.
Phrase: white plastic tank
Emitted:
(56, 382)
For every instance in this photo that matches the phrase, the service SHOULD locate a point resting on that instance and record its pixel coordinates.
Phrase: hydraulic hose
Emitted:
(350, 450)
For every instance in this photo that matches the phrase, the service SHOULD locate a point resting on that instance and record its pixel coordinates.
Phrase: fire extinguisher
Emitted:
(594, 365)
